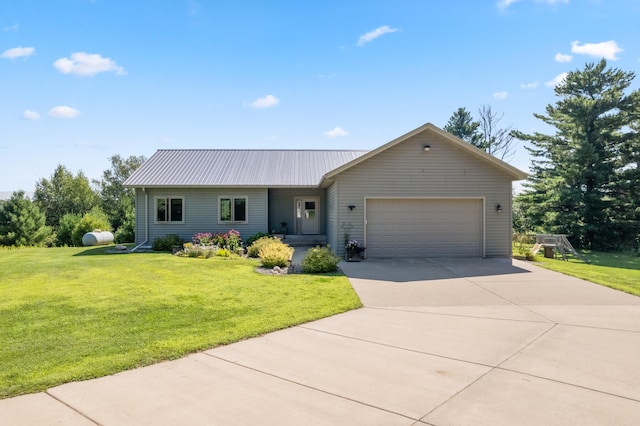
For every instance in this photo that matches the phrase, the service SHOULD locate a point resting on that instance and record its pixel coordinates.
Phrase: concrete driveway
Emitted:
(439, 342)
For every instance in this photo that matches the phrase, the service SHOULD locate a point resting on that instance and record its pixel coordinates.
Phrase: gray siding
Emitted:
(332, 217)
(200, 211)
(406, 170)
(281, 207)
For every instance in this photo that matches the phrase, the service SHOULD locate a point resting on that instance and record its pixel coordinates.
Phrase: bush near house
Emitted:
(275, 253)
(320, 260)
(167, 242)
(253, 250)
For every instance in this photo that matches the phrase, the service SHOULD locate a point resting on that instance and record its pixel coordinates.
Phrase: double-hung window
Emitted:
(170, 209)
(233, 209)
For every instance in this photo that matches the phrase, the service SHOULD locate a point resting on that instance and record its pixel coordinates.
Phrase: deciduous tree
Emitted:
(118, 201)
(64, 193)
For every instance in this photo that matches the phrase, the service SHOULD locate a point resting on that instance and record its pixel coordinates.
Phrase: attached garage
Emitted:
(443, 227)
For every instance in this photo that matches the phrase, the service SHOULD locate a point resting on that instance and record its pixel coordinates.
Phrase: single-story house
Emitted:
(424, 194)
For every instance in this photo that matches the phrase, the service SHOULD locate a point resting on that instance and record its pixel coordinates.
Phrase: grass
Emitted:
(616, 270)
(70, 314)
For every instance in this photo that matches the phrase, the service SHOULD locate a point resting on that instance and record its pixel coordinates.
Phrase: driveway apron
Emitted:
(438, 342)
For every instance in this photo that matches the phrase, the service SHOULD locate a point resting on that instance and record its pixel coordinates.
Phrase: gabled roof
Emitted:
(215, 167)
(515, 173)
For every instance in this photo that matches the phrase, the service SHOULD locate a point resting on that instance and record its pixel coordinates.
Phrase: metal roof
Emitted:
(215, 167)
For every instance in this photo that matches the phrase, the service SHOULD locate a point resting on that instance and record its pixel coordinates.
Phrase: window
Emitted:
(233, 209)
(169, 209)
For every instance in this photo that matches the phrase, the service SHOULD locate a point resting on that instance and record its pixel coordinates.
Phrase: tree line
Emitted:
(584, 179)
(66, 206)
(585, 176)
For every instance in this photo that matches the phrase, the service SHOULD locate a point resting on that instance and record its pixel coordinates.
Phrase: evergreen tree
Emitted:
(584, 177)
(22, 223)
(461, 124)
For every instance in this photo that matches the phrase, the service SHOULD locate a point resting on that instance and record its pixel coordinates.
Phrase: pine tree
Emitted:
(582, 176)
(461, 124)
(22, 223)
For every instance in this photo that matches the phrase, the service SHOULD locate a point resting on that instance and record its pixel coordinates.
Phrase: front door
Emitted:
(307, 212)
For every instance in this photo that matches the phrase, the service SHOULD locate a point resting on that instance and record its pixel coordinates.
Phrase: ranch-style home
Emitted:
(425, 194)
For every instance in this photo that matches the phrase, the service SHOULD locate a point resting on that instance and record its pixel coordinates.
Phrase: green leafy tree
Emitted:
(91, 221)
(67, 224)
(117, 201)
(22, 223)
(584, 177)
(64, 193)
(462, 125)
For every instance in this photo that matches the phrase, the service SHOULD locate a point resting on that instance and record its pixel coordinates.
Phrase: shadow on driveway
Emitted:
(426, 269)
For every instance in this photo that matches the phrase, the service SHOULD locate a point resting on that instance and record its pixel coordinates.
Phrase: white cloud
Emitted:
(63, 112)
(336, 132)
(501, 96)
(87, 64)
(562, 58)
(606, 49)
(558, 79)
(265, 102)
(17, 52)
(372, 35)
(30, 115)
(503, 4)
(531, 85)
(11, 28)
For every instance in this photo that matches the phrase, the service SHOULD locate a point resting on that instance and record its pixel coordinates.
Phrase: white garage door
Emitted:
(424, 228)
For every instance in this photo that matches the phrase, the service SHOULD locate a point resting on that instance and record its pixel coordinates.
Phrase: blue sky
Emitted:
(83, 80)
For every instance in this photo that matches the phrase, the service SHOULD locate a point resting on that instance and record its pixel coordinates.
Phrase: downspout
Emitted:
(146, 221)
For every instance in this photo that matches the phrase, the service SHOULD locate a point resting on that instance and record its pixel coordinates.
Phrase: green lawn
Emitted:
(71, 314)
(615, 270)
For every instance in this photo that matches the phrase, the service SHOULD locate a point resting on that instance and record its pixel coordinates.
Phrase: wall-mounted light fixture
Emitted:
(498, 208)
(426, 147)
(351, 206)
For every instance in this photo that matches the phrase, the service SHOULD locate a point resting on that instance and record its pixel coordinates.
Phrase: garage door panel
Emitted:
(424, 228)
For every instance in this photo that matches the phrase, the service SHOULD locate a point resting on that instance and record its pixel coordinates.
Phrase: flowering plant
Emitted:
(203, 238)
(352, 245)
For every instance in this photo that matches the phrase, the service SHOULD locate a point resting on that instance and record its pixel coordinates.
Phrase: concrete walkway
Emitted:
(439, 342)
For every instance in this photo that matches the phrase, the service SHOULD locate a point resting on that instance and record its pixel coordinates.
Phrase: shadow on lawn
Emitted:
(103, 250)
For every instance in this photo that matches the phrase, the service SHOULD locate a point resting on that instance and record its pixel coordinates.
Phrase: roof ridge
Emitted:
(263, 150)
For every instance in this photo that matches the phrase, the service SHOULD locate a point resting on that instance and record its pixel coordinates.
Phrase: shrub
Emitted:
(256, 237)
(254, 249)
(126, 233)
(95, 219)
(275, 253)
(167, 242)
(67, 224)
(318, 260)
(223, 253)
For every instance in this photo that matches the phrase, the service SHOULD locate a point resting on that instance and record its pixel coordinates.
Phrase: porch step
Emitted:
(305, 240)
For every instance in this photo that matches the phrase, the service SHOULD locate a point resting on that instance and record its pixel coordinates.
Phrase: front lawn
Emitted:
(70, 314)
(615, 270)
